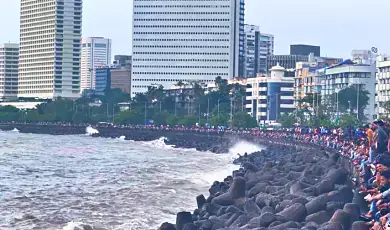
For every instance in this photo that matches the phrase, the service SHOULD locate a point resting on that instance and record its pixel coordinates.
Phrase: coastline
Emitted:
(286, 186)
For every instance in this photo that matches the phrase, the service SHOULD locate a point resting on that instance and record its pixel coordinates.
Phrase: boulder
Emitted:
(258, 188)
(337, 176)
(251, 209)
(233, 209)
(332, 226)
(360, 225)
(342, 218)
(294, 175)
(353, 211)
(190, 227)
(235, 192)
(317, 204)
(183, 218)
(240, 221)
(324, 186)
(267, 209)
(167, 226)
(200, 200)
(266, 219)
(300, 200)
(287, 225)
(344, 194)
(296, 212)
(318, 217)
(331, 207)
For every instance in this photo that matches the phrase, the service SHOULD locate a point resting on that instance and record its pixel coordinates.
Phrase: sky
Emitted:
(337, 26)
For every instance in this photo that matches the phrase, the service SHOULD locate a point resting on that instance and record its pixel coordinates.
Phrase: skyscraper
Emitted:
(49, 57)
(257, 47)
(9, 56)
(190, 41)
(95, 53)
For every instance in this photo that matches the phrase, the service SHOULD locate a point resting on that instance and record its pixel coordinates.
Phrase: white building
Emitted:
(49, 58)
(346, 74)
(185, 40)
(9, 60)
(269, 96)
(266, 49)
(382, 84)
(95, 53)
(257, 48)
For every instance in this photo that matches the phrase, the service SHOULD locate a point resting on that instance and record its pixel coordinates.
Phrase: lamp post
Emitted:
(357, 101)
(349, 107)
(208, 109)
(218, 107)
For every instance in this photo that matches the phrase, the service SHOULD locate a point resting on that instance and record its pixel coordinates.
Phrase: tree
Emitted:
(348, 120)
(287, 120)
(348, 99)
(188, 121)
(129, 117)
(222, 119)
(160, 118)
(244, 120)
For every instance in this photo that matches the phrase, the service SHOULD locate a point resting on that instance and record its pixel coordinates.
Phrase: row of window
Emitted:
(181, 40)
(178, 26)
(182, 53)
(177, 73)
(182, 6)
(173, 80)
(150, 12)
(197, 47)
(180, 67)
(183, 19)
(186, 60)
(193, 33)
(182, 0)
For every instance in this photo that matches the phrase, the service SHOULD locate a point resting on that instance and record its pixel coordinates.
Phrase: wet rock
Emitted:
(200, 201)
(266, 219)
(296, 212)
(234, 209)
(324, 186)
(167, 226)
(258, 188)
(284, 226)
(183, 218)
(190, 227)
(337, 176)
(251, 209)
(235, 192)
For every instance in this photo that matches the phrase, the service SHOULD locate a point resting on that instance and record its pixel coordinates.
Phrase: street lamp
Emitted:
(349, 107)
(218, 107)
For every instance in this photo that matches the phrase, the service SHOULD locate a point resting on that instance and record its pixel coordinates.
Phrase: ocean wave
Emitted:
(90, 131)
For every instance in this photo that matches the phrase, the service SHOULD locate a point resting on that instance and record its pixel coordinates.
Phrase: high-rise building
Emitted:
(121, 79)
(257, 48)
(382, 85)
(9, 60)
(95, 53)
(286, 61)
(50, 48)
(103, 80)
(122, 60)
(189, 41)
(305, 50)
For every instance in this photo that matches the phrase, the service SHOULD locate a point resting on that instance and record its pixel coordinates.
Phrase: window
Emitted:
(100, 45)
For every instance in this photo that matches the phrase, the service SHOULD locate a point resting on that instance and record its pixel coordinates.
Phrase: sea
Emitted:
(62, 182)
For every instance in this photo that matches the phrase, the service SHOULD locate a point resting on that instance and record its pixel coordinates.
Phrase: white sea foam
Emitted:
(242, 147)
(15, 130)
(122, 137)
(159, 143)
(89, 130)
(74, 226)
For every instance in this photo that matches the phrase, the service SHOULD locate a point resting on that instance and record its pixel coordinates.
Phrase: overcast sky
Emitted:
(337, 26)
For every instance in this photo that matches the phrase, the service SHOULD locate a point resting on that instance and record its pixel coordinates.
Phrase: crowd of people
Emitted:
(368, 148)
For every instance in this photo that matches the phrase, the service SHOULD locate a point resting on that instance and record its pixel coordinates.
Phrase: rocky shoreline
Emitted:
(279, 188)
(282, 187)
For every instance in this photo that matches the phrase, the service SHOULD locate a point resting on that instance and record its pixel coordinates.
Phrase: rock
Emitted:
(331, 226)
(250, 166)
(233, 218)
(353, 211)
(234, 209)
(282, 205)
(360, 225)
(240, 221)
(294, 175)
(317, 204)
(167, 226)
(300, 200)
(342, 218)
(266, 219)
(345, 195)
(183, 218)
(258, 188)
(267, 209)
(318, 217)
(324, 186)
(190, 227)
(251, 209)
(235, 192)
(296, 212)
(337, 176)
(200, 200)
(284, 226)
(275, 223)
(331, 207)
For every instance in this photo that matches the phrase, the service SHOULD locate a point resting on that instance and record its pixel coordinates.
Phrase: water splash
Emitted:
(89, 130)
(15, 130)
(77, 226)
(242, 147)
(122, 137)
(159, 143)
